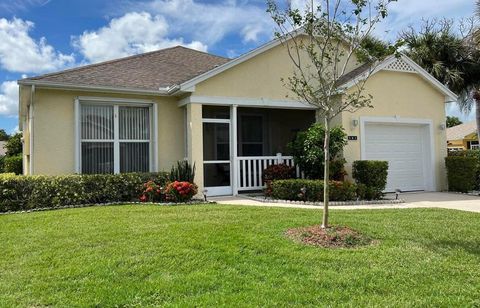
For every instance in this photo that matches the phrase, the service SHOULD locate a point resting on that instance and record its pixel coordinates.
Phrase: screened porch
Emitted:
(240, 142)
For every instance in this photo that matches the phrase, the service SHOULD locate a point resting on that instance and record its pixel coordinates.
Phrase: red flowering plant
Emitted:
(152, 192)
(181, 191)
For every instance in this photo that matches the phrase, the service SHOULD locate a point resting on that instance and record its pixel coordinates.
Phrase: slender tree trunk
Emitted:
(476, 97)
(326, 174)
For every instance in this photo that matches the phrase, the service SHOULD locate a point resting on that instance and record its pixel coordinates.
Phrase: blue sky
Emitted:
(40, 36)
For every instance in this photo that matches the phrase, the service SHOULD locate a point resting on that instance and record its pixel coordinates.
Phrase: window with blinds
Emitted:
(115, 138)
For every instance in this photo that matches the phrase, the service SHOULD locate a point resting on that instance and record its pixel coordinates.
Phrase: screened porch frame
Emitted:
(250, 180)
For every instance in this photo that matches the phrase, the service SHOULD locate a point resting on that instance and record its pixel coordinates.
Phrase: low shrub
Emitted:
(276, 172)
(337, 169)
(13, 164)
(152, 192)
(470, 153)
(371, 178)
(29, 192)
(181, 191)
(461, 173)
(312, 190)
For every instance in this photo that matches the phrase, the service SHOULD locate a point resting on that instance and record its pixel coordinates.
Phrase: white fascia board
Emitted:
(245, 102)
(68, 86)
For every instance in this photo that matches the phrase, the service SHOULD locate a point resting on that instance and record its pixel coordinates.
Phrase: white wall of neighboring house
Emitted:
(2, 148)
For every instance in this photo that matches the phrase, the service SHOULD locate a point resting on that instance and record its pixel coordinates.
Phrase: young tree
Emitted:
(453, 121)
(323, 42)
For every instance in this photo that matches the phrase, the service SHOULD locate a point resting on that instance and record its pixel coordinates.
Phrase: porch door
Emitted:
(217, 164)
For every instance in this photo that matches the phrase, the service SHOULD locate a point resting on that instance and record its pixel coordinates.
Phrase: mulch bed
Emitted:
(332, 237)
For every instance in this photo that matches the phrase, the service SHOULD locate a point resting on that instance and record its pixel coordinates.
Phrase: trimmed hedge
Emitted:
(312, 190)
(19, 193)
(371, 178)
(470, 153)
(276, 172)
(461, 173)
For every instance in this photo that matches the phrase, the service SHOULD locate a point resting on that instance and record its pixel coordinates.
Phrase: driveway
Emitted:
(412, 200)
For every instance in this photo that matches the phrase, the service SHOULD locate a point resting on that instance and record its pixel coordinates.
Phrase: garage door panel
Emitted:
(403, 147)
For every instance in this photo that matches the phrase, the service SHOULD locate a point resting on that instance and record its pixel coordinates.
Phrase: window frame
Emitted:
(116, 103)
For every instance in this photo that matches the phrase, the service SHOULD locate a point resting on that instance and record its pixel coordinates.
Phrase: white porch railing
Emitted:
(250, 170)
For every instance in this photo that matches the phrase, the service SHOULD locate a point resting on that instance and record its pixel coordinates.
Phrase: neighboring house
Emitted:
(230, 117)
(3, 151)
(462, 137)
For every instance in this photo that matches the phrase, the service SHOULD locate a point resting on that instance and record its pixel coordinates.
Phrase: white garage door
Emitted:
(405, 147)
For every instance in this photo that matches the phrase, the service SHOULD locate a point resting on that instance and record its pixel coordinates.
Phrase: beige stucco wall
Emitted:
(405, 95)
(258, 77)
(24, 122)
(195, 141)
(54, 138)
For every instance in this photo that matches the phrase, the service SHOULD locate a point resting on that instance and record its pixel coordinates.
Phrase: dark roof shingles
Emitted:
(148, 71)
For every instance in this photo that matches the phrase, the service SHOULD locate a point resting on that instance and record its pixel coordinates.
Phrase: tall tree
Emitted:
(323, 41)
(3, 135)
(451, 55)
(453, 121)
(14, 145)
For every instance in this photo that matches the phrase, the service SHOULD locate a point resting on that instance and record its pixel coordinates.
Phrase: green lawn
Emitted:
(215, 255)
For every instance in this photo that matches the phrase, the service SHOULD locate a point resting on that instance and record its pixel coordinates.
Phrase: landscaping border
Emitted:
(333, 203)
(192, 202)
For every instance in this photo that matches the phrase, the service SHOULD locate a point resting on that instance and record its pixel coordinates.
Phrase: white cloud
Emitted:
(9, 98)
(404, 13)
(304, 5)
(15, 130)
(21, 53)
(21, 5)
(211, 22)
(132, 33)
(452, 109)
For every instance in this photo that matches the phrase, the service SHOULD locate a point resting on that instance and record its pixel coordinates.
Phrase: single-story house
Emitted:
(231, 117)
(462, 137)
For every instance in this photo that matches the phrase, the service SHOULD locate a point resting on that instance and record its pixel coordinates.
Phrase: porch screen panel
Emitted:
(97, 138)
(134, 131)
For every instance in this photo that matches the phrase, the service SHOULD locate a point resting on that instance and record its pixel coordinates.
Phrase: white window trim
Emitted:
(431, 178)
(116, 102)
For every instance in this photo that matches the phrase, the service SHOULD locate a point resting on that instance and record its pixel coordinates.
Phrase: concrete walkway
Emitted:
(412, 200)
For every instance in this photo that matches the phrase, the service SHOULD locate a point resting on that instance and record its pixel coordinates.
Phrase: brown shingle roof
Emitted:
(354, 73)
(461, 131)
(148, 71)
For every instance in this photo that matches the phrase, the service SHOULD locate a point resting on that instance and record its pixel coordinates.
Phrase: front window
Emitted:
(115, 138)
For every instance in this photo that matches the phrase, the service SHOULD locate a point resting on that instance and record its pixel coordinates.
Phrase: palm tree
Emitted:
(452, 58)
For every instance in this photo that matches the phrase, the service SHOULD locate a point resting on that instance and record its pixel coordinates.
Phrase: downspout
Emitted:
(30, 122)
